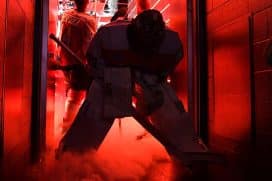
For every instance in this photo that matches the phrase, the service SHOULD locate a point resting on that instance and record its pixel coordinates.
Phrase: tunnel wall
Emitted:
(17, 23)
(239, 75)
(228, 72)
(2, 56)
(262, 28)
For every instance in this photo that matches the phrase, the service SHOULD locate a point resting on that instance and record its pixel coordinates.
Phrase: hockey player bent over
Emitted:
(132, 59)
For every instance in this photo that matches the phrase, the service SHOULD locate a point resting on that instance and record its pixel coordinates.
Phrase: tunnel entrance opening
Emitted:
(182, 79)
(102, 11)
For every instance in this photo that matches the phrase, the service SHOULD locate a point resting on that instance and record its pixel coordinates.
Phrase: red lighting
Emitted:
(155, 4)
(166, 7)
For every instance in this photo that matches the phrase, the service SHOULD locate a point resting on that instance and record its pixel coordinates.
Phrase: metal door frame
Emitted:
(2, 91)
(198, 65)
(39, 80)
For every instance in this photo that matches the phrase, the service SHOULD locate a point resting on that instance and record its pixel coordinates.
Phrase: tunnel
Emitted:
(223, 81)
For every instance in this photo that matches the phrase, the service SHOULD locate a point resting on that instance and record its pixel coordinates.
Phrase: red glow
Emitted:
(166, 7)
(142, 5)
(155, 4)
(232, 82)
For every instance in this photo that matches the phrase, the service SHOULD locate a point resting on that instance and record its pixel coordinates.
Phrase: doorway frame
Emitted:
(2, 91)
(197, 72)
(39, 80)
(198, 66)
